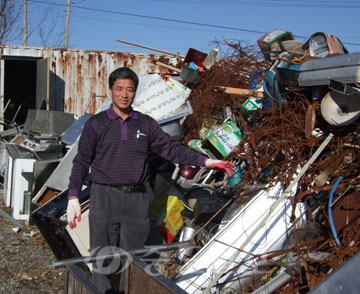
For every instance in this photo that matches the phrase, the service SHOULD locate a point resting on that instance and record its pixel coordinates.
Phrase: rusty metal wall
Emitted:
(78, 78)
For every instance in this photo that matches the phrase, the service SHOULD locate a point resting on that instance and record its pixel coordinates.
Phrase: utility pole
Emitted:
(67, 24)
(25, 24)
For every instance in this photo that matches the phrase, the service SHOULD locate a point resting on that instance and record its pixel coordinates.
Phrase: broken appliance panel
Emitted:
(19, 180)
(42, 132)
(341, 68)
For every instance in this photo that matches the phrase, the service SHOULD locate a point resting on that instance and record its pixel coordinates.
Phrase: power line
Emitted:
(282, 3)
(276, 3)
(347, 4)
(154, 17)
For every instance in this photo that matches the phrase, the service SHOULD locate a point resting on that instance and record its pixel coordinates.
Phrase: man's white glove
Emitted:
(73, 212)
(223, 165)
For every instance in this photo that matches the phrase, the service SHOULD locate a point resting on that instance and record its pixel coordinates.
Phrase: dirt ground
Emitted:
(26, 260)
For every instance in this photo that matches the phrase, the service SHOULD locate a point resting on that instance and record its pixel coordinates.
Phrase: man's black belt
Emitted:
(131, 188)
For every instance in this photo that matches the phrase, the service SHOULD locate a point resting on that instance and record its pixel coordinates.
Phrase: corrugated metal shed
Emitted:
(73, 80)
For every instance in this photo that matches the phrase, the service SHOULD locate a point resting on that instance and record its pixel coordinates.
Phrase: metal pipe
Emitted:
(10, 219)
(139, 251)
(17, 112)
(150, 48)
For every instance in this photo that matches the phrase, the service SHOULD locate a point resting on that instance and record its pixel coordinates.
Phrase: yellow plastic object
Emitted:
(166, 210)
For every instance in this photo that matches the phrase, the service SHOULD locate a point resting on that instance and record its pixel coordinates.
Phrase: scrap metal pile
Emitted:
(290, 143)
(287, 218)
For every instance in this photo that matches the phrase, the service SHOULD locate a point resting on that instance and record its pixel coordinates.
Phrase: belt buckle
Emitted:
(127, 189)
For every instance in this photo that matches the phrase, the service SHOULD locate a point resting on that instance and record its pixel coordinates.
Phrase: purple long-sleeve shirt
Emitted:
(117, 151)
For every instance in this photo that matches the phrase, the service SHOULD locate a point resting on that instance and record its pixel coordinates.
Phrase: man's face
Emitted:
(123, 94)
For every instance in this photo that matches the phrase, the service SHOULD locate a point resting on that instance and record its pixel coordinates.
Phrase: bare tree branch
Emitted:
(47, 33)
(9, 14)
(45, 27)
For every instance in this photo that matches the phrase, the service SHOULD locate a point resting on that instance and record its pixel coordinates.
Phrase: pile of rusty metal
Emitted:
(304, 138)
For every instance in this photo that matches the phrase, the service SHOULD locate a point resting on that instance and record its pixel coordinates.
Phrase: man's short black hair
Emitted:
(123, 73)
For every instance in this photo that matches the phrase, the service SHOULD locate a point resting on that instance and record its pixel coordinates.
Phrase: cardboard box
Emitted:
(223, 140)
(251, 104)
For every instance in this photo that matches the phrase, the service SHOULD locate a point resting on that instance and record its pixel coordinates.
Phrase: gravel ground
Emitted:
(26, 260)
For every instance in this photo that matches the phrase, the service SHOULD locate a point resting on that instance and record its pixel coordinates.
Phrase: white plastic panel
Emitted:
(229, 254)
(81, 235)
(22, 183)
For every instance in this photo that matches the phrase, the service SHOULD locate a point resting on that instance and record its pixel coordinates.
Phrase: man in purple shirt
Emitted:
(116, 145)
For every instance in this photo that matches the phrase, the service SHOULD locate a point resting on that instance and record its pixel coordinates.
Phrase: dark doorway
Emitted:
(19, 90)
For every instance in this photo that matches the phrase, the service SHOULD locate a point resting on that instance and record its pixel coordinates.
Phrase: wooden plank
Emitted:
(168, 66)
(241, 92)
(77, 281)
(150, 48)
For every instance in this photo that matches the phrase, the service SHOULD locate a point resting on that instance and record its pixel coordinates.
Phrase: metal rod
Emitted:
(10, 219)
(111, 255)
(146, 47)
(17, 112)
(6, 106)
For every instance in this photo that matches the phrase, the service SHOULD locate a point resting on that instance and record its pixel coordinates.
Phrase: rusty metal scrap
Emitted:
(277, 142)
(279, 134)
